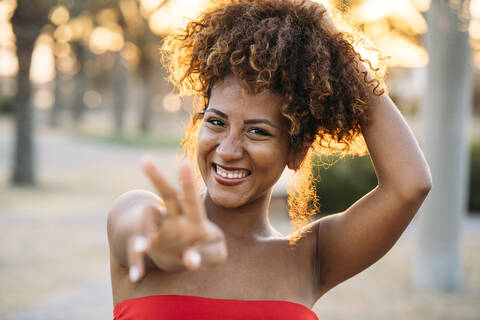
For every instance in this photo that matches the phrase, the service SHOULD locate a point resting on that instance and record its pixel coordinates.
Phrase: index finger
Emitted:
(166, 190)
(191, 204)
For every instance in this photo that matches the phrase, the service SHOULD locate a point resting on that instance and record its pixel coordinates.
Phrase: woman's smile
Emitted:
(242, 144)
(229, 176)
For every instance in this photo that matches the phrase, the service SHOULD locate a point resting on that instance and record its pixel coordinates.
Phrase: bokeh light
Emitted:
(63, 33)
(175, 14)
(43, 61)
(59, 15)
(131, 54)
(149, 6)
(92, 99)
(8, 62)
(7, 8)
(172, 102)
(43, 98)
(103, 39)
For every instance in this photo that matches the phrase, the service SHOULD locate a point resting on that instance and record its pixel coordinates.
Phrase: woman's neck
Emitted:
(248, 222)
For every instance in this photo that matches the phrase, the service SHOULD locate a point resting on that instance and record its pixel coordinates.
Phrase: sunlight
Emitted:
(8, 55)
(104, 39)
(8, 62)
(42, 69)
(7, 8)
(374, 10)
(81, 27)
(59, 15)
(63, 33)
(175, 14)
(149, 6)
(474, 29)
(475, 9)
(402, 52)
(43, 98)
(393, 25)
(421, 5)
(172, 102)
(131, 54)
(67, 65)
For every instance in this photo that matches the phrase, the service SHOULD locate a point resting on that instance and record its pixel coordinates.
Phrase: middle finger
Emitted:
(166, 190)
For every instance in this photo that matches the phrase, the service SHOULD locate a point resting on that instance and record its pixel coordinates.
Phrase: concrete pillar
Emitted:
(445, 113)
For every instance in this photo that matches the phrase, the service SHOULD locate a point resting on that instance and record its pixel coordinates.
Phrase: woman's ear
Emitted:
(296, 157)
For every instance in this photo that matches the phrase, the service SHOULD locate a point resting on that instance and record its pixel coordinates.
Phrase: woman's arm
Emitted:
(350, 241)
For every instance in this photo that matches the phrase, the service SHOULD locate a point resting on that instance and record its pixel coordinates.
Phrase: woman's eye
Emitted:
(215, 122)
(259, 132)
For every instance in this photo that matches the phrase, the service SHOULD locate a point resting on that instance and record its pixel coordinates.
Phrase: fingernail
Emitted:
(140, 244)
(134, 274)
(193, 258)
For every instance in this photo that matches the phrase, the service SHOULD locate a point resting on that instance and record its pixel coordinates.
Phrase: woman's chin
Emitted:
(227, 200)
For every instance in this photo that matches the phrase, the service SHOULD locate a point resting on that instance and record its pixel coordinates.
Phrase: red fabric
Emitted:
(176, 307)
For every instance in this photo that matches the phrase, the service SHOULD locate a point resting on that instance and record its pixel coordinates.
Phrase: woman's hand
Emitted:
(326, 19)
(177, 234)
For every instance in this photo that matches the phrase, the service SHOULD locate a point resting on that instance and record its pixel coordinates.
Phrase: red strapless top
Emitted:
(178, 307)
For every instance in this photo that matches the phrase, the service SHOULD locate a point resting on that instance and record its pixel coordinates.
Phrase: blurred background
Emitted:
(83, 96)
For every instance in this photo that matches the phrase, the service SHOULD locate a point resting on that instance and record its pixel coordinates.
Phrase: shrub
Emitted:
(348, 180)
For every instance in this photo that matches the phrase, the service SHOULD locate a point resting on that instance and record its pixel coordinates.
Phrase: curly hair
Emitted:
(282, 46)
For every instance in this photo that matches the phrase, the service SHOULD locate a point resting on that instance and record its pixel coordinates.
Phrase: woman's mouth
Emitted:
(230, 176)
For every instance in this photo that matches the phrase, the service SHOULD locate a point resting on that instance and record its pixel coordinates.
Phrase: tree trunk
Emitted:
(445, 115)
(25, 23)
(146, 77)
(54, 114)
(119, 95)
(78, 108)
(23, 171)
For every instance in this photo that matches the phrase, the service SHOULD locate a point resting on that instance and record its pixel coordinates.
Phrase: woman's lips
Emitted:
(227, 181)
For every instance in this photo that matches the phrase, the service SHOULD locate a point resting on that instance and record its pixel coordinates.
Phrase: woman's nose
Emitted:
(230, 148)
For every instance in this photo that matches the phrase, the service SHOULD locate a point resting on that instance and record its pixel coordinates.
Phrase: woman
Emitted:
(278, 82)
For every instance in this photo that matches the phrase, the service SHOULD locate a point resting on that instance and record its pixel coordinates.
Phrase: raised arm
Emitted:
(350, 241)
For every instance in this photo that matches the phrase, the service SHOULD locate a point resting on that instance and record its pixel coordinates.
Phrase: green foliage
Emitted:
(131, 139)
(474, 190)
(348, 180)
(6, 105)
(342, 184)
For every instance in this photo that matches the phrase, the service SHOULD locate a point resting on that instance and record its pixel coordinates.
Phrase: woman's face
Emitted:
(242, 145)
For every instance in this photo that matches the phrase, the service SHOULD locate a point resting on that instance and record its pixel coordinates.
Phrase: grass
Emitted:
(131, 139)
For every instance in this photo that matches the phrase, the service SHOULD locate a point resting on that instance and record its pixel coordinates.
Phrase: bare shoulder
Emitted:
(129, 199)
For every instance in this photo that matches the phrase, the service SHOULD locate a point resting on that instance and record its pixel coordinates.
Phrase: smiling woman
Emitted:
(242, 143)
(278, 82)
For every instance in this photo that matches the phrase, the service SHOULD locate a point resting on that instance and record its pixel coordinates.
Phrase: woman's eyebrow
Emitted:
(256, 121)
(251, 121)
(218, 112)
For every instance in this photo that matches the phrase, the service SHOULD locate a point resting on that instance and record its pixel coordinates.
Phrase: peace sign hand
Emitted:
(176, 235)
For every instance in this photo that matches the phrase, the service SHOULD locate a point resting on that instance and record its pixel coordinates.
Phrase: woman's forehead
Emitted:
(231, 96)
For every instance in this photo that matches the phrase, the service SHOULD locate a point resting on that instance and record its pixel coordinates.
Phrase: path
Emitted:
(54, 250)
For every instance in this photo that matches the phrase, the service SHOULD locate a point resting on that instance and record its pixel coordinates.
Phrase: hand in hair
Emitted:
(326, 19)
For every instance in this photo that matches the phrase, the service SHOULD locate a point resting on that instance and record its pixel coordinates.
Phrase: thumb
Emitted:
(205, 256)
(192, 259)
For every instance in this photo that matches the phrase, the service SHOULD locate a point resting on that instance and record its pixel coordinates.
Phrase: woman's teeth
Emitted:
(231, 174)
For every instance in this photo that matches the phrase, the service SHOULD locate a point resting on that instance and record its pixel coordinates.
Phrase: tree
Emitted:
(445, 112)
(27, 22)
